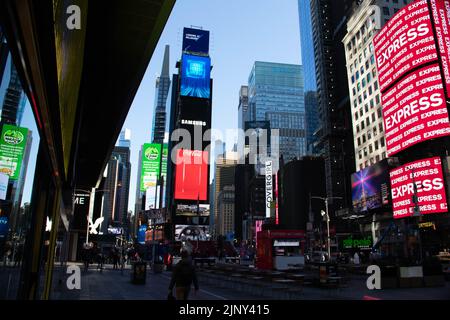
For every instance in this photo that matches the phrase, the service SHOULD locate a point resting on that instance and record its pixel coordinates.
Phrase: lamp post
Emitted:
(328, 220)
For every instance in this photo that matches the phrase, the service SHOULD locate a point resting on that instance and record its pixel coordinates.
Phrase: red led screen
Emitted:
(191, 175)
(441, 17)
(406, 42)
(430, 185)
(415, 110)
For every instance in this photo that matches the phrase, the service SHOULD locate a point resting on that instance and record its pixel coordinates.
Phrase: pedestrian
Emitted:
(183, 276)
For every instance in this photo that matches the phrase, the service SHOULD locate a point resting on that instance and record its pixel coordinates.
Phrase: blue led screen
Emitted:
(195, 76)
(195, 40)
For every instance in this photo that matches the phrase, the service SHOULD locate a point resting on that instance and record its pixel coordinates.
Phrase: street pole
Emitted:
(328, 229)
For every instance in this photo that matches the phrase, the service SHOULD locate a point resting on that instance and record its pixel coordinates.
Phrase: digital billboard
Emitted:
(4, 227)
(192, 210)
(424, 179)
(405, 42)
(141, 233)
(12, 147)
(191, 175)
(195, 76)
(196, 41)
(415, 110)
(370, 187)
(441, 17)
(150, 170)
(192, 232)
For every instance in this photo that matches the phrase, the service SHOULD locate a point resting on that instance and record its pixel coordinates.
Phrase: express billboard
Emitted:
(424, 179)
(195, 76)
(405, 43)
(370, 187)
(415, 110)
(191, 175)
(196, 41)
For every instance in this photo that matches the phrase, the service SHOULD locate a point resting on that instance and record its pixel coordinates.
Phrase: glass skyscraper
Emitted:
(307, 52)
(275, 94)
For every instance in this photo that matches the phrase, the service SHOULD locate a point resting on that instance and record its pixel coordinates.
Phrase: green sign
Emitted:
(164, 160)
(151, 158)
(351, 243)
(12, 147)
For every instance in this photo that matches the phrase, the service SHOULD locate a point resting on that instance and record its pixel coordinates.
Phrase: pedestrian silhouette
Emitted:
(183, 276)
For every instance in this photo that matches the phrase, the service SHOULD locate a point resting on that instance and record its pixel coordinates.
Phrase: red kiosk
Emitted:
(280, 249)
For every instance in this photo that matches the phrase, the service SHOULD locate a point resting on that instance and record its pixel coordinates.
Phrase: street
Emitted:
(116, 285)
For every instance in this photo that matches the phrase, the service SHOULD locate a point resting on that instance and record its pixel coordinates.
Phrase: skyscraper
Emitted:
(243, 114)
(117, 184)
(275, 94)
(310, 84)
(162, 91)
(328, 20)
(124, 139)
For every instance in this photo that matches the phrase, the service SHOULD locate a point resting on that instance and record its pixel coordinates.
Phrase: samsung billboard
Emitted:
(413, 73)
(196, 41)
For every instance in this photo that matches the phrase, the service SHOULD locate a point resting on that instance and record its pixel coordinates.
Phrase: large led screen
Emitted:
(191, 175)
(195, 76)
(415, 110)
(13, 141)
(192, 232)
(428, 179)
(370, 188)
(196, 40)
(406, 42)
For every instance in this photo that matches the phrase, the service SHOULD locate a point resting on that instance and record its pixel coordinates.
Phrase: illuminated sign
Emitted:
(421, 179)
(196, 76)
(4, 227)
(406, 42)
(141, 233)
(150, 170)
(195, 40)
(12, 147)
(415, 110)
(370, 188)
(192, 232)
(4, 179)
(193, 210)
(351, 243)
(269, 188)
(191, 175)
(425, 225)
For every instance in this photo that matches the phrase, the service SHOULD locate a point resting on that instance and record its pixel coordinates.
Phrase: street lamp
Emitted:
(325, 213)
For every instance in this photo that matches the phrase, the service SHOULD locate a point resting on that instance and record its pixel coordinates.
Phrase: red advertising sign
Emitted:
(415, 110)
(441, 17)
(191, 175)
(405, 43)
(427, 175)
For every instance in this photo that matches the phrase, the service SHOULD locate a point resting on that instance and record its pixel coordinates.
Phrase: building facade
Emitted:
(310, 85)
(275, 89)
(364, 90)
(226, 209)
(243, 112)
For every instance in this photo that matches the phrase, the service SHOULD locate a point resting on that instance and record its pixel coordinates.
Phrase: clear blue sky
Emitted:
(242, 32)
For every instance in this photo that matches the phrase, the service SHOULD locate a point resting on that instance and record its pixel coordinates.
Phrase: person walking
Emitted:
(183, 276)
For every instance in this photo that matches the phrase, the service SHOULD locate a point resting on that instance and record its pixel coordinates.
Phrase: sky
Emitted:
(241, 32)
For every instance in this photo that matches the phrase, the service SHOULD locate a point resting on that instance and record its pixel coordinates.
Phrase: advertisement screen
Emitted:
(81, 211)
(415, 110)
(441, 17)
(150, 198)
(195, 76)
(405, 43)
(4, 227)
(12, 147)
(370, 188)
(192, 232)
(195, 40)
(191, 175)
(192, 210)
(151, 158)
(422, 178)
(141, 233)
